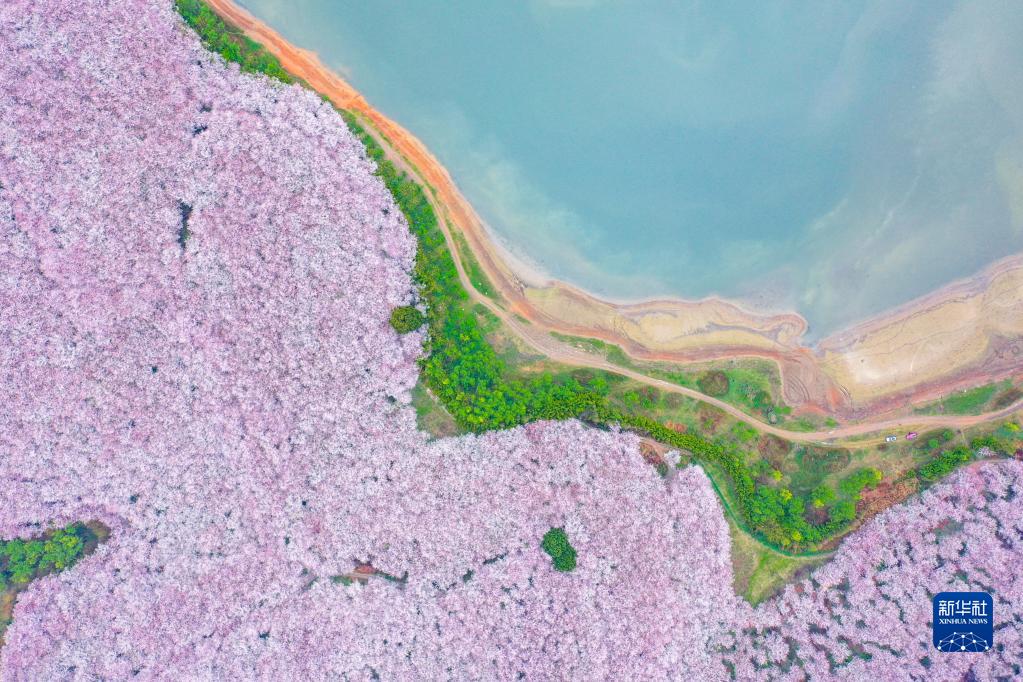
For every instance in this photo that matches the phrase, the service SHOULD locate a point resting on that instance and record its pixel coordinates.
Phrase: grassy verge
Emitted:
(976, 400)
(479, 279)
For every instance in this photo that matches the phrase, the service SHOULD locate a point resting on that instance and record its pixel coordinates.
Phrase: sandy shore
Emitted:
(967, 333)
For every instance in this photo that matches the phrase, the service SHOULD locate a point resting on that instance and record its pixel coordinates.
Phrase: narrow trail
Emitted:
(307, 66)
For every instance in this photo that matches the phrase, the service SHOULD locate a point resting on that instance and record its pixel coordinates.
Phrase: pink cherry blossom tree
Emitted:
(196, 272)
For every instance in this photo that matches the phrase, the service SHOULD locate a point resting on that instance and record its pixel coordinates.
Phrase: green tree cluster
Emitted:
(229, 42)
(24, 560)
(555, 543)
(855, 483)
(460, 366)
(406, 319)
(943, 464)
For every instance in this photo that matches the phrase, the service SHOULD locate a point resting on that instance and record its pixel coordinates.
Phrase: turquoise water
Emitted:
(833, 158)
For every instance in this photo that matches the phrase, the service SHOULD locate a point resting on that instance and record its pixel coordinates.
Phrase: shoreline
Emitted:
(963, 334)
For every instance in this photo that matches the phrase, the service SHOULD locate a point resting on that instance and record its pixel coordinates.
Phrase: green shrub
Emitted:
(24, 560)
(853, 484)
(944, 464)
(988, 442)
(406, 319)
(843, 512)
(555, 543)
(566, 562)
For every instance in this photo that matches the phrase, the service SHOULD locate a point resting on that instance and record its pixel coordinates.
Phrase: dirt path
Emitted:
(406, 151)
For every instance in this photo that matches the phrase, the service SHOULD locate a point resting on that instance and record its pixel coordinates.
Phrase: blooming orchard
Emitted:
(197, 269)
(866, 613)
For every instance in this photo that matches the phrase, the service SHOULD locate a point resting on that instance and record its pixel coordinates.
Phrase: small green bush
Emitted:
(714, 383)
(406, 319)
(555, 543)
(822, 496)
(944, 464)
(855, 483)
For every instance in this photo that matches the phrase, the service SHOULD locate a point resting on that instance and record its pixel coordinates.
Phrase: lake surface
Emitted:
(833, 158)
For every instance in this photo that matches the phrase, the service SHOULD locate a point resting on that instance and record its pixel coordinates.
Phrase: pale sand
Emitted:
(967, 333)
(970, 332)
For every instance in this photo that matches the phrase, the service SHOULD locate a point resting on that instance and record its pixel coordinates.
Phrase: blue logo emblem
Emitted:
(963, 621)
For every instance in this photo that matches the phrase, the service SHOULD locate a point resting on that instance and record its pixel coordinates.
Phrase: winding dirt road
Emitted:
(413, 157)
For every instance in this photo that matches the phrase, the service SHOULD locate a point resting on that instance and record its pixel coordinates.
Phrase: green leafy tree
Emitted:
(555, 543)
(406, 319)
(821, 496)
(944, 464)
(843, 512)
(855, 483)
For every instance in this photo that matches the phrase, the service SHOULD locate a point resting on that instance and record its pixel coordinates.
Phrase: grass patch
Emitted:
(975, 400)
(968, 402)
(800, 425)
(431, 416)
(609, 351)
